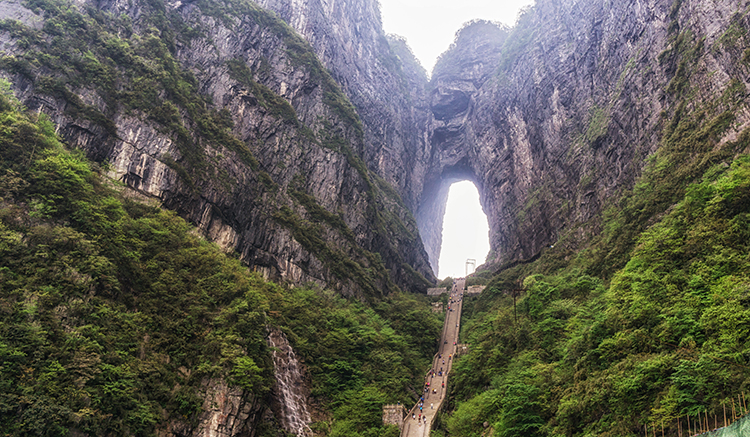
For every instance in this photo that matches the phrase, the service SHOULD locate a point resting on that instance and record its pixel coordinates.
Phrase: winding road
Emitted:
(438, 384)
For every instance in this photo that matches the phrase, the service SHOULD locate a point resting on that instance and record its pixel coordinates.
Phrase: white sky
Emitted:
(465, 231)
(430, 25)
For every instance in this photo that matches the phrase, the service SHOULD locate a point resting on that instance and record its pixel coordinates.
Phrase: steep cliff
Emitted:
(389, 89)
(380, 76)
(554, 119)
(118, 318)
(224, 113)
(610, 144)
(305, 140)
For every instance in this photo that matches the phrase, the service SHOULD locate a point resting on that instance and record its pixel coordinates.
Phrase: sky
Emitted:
(465, 231)
(429, 26)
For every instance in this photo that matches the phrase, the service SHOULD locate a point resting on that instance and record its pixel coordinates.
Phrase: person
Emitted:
(432, 406)
(413, 416)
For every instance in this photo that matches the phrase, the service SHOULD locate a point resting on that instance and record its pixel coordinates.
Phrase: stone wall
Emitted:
(393, 414)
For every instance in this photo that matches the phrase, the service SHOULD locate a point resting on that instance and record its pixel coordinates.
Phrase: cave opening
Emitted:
(465, 231)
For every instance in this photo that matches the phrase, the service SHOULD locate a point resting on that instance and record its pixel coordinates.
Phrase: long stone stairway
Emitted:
(436, 380)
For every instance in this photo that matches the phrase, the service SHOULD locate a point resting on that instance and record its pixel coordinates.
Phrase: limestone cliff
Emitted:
(550, 118)
(555, 118)
(379, 74)
(223, 113)
(306, 140)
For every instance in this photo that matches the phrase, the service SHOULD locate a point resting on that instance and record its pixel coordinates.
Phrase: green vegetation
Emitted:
(367, 271)
(598, 124)
(520, 37)
(357, 355)
(446, 283)
(667, 337)
(132, 69)
(276, 105)
(87, 49)
(649, 323)
(301, 54)
(416, 276)
(480, 277)
(113, 314)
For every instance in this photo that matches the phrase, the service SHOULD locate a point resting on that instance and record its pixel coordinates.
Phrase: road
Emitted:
(438, 384)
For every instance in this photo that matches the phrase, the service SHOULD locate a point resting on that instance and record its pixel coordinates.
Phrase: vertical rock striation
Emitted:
(242, 131)
(554, 118)
(550, 119)
(290, 390)
(226, 412)
(380, 76)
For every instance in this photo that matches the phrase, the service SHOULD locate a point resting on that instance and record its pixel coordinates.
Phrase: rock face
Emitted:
(554, 119)
(307, 140)
(458, 75)
(549, 119)
(227, 412)
(291, 389)
(225, 114)
(379, 75)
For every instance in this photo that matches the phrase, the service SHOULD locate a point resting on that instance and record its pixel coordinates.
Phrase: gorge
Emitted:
(548, 119)
(307, 143)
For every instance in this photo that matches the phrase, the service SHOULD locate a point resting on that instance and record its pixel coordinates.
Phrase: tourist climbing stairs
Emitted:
(419, 419)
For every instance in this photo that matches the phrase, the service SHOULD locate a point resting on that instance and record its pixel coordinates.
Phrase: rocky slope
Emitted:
(380, 75)
(554, 119)
(550, 119)
(223, 113)
(306, 140)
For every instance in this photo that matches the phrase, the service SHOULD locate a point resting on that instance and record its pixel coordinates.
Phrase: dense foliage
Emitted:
(648, 326)
(130, 66)
(668, 337)
(115, 314)
(361, 357)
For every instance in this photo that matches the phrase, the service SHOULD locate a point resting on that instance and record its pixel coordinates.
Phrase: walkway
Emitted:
(438, 384)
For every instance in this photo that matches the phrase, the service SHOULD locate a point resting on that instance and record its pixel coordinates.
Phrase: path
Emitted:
(438, 383)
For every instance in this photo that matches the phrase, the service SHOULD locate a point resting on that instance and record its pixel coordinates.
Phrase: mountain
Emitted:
(607, 140)
(224, 114)
(554, 119)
